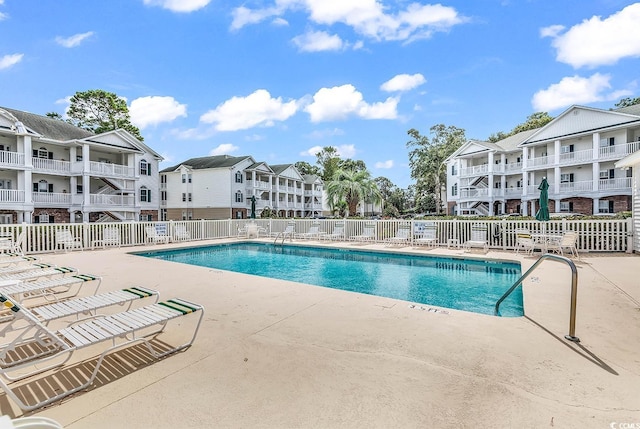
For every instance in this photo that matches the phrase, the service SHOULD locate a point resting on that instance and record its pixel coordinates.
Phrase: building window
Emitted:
(163, 214)
(163, 179)
(454, 189)
(163, 196)
(497, 185)
(566, 148)
(189, 177)
(42, 153)
(145, 168)
(78, 189)
(189, 215)
(454, 170)
(239, 197)
(184, 178)
(605, 206)
(43, 218)
(189, 197)
(184, 197)
(145, 195)
(566, 178)
(566, 206)
(43, 186)
(630, 172)
(238, 177)
(146, 218)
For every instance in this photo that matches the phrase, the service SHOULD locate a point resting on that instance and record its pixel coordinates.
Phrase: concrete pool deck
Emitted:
(277, 354)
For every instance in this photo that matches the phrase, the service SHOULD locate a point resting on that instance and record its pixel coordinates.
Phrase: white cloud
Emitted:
(73, 41)
(367, 17)
(182, 6)
(316, 41)
(280, 22)
(574, 90)
(241, 113)
(343, 151)
(322, 134)
(598, 41)
(343, 101)
(403, 82)
(384, 164)
(551, 31)
(10, 60)
(224, 149)
(153, 110)
(3, 16)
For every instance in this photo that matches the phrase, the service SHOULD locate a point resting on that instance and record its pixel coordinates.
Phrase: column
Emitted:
(596, 176)
(596, 206)
(556, 152)
(556, 180)
(596, 145)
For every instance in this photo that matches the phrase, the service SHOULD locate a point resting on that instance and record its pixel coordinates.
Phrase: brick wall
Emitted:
(59, 215)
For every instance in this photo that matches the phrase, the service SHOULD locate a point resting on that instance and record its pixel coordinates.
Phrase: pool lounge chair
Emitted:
(23, 357)
(30, 422)
(312, 232)
(337, 233)
(181, 233)
(425, 234)
(49, 289)
(524, 241)
(45, 272)
(66, 241)
(368, 233)
(568, 242)
(478, 238)
(402, 237)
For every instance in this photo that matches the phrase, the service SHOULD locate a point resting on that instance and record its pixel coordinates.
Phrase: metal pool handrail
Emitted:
(574, 291)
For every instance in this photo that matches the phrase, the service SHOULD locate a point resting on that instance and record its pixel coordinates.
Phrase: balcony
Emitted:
(540, 161)
(579, 157)
(618, 151)
(112, 200)
(259, 184)
(11, 196)
(113, 170)
(473, 193)
(515, 167)
(620, 184)
(51, 166)
(11, 159)
(572, 187)
(475, 170)
(51, 199)
(513, 192)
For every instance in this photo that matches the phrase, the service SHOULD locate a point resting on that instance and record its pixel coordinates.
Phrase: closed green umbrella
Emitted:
(543, 213)
(253, 207)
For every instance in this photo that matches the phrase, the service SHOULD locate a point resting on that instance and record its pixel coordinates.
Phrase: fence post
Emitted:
(630, 235)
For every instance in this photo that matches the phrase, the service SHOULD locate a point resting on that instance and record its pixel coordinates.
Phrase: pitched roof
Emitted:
(511, 143)
(631, 110)
(49, 128)
(216, 161)
(279, 168)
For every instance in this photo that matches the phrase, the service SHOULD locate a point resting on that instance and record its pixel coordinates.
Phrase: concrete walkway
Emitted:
(277, 354)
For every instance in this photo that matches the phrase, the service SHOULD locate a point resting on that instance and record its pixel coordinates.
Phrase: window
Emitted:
(78, 157)
(238, 177)
(184, 197)
(184, 215)
(163, 196)
(189, 215)
(163, 214)
(566, 178)
(630, 172)
(3, 147)
(604, 174)
(454, 170)
(454, 189)
(146, 218)
(566, 206)
(42, 186)
(189, 177)
(239, 198)
(43, 218)
(184, 178)
(42, 153)
(78, 189)
(519, 184)
(163, 178)
(609, 141)
(145, 195)
(605, 206)
(189, 196)
(566, 148)
(497, 185)
(145, 168)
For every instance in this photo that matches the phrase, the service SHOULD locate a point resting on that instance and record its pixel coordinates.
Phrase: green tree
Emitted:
(55, 115)
(352, 187)
(350, 164)
(426, 160)
(329, 162)
(306, 168)
(626, 102)
(100, 111)
(535, 120)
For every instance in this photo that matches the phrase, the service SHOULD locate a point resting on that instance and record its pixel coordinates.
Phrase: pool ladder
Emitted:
(284, 235)
(574, 291)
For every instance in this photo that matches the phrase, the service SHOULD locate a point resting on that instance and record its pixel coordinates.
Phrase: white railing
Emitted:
(513, 192)
(11, 196)
(618, 150)
(580, 156)
(471, 193)
(52, 198)
(12, 158)
(259, 184)
(51, 165)
(112, 200)
(585, 185)
(475, 170)
(107, 169)
(513, 166)
(622, 183)
(606, 235)
(540, 161)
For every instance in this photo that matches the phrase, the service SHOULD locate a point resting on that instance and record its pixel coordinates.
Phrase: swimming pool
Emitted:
(463, 284)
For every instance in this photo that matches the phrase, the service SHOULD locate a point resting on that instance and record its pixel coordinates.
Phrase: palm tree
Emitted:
(352, 187)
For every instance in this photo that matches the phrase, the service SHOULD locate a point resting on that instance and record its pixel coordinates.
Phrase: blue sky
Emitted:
(279, 79)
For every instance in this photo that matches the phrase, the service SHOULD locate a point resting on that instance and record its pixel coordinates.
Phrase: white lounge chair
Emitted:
(312, 232)
(568, 242)
(155, 237)
(425, 234)
(45, 272)
(524, 241)
(402, 237)
(49, 289)
(289, 232)
(45, 349)
(478, 238)
(66, 241)
(337, 233)
(30, 422)
(181, 233)
(368, 233)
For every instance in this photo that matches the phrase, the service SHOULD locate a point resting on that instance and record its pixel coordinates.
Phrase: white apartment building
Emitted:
(576, 152)
(54, 172)
(221, 187)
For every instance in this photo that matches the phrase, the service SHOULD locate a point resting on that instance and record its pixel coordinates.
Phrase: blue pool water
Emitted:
(462, 284)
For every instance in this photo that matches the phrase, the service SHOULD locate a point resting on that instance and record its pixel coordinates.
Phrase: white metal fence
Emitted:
(606, 235)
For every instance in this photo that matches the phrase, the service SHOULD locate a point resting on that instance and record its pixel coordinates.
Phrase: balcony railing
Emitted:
(513, 166)
(622, 183)
(11, 158)
(471, 193)
(579, 157)
(51, 165)
(540, 161)
(11, 196)
(513, 192)
(259, 184)
(475, 170)
(584, 185)
(112, 200)
(52, 198)
(618, 150)
(107, 169)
